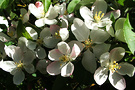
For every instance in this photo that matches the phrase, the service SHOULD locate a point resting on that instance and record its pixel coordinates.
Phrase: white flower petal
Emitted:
(64, 22)
(99, 5)
(110, 30)
(51, 13)
(104, 59)
(100, 75)
(25, 17)
(116, 14)
(50, 21)
(80, 30)
(100, 49)
(40, 22)
(41, 66)
(91, 25)
(3, 21)
(32, 33)
(67, 70)
(31, 45)
(117, 54)
(7, 66)
(45, 32)
(117, 81)
(63, 48)
(79, 44)
(64, 34)
(22, 43)
(54, 68)
(29, 56)
(14, 52)
(126, 68)
(40, 52)
(18, 77)
(86, 13)
(50, 41)
(29, 68)
(4, 37)
(54, 55)
(75, 52)
(38, 13)
(99, 36)
(54, 28)
(89, 61)
(23, 11)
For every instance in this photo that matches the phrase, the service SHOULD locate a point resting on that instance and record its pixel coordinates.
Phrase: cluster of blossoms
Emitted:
(53, 49)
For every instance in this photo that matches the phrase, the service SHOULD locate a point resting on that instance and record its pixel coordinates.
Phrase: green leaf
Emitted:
(84, 3)
(72, 5)
(21, 31)
(129, 35)
(121, 2)
(5, 3)
(119, 25)
(46, 4)
(112, 17)
(34, 75)
(9, 43)
(12, 15)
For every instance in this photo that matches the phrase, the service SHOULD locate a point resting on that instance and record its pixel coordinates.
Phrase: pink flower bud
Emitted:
(38, 4)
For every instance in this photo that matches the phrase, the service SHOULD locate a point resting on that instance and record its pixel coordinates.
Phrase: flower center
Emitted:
(98, 16)
(66, 13)
(114, 66)
(64, 58)
(39, 41)
(10, 33)
(19, 65)
(87, 43)
(57, 34)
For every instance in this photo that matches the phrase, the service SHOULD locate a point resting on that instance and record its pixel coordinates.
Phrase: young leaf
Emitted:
(121, 2)
(46, 4)
(129, 35)
(5, 3)
(21, 31)
(72, 5)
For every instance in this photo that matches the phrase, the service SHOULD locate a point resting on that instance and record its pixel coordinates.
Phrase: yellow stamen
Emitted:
(87, 43)
(57, 34)
(113, 67)
(64, 58)
(98, 16)
(19, 65)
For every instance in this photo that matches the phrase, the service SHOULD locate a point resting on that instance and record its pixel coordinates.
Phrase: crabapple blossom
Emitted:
(97, 16)
(43, 18)
(20, 61)
(109, 63)
(62, 59)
